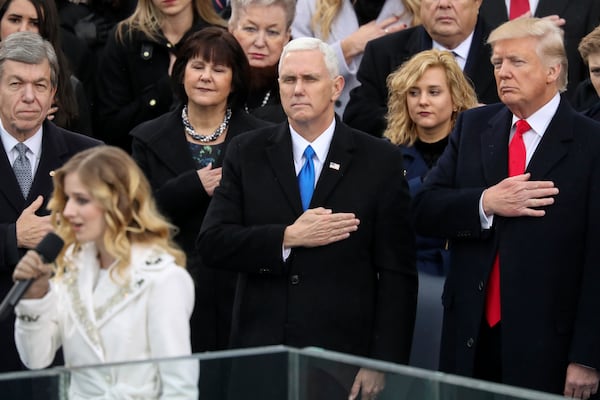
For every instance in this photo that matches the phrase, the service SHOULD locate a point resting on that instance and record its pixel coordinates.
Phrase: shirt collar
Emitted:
(34, 143)
(320, 145)
(462, 50)
(540, 119)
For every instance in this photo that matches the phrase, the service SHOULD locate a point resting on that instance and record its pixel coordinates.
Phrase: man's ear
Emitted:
(553, 73)
(338, 86)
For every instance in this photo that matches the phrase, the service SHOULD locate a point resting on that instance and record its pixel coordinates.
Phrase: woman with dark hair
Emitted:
(71, 109)
(181, 153)
(133, 81)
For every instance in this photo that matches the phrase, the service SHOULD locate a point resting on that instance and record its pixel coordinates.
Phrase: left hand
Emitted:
(369, 383)
(581, 382)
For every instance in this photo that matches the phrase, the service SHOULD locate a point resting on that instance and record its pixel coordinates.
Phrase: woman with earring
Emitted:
(119, 291)
(426, 94)
(133, 82)
(181, 154)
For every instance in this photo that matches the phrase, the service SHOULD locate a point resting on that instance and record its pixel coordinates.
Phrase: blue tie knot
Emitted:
(309, 153)
(306, 177)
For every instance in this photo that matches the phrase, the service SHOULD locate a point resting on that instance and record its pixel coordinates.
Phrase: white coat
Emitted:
(96, 321)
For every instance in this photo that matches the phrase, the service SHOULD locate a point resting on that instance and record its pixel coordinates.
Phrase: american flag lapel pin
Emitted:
(334, 165)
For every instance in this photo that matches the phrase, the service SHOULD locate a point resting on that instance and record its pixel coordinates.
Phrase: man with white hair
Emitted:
(516, 192)
(315, 216)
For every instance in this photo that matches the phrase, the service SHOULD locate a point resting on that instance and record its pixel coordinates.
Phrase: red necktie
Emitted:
(518, 8)
(516, 166)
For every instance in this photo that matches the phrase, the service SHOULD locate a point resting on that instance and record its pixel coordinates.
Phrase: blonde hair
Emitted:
(115, 181)
(147, 18)
(327, 10)
(400, 127)
(590, 44)
(239, 6)
(550, 42)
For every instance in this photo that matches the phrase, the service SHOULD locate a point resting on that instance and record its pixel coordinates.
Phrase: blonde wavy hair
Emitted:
(115, 181)
(147, 18)
(401, 129)
(327, 10)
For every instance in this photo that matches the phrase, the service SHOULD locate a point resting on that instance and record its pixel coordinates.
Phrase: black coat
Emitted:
(549, 265)
(368, 102)
(132, 86)
(357, 295)
(58, 145)
(161, 150)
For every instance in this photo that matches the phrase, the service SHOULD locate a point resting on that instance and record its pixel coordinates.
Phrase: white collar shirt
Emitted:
(34, 144)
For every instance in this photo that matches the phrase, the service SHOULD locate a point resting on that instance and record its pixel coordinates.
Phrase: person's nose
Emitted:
(299, 88)
(206, 75)
(69, 211)
(28, 93)
(503, 70)
(260, 39)
(23, 26)
(423, 99)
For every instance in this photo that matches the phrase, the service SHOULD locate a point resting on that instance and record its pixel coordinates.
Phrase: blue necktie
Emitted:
(306, 177)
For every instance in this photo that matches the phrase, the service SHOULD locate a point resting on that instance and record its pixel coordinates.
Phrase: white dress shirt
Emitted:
(34, 144)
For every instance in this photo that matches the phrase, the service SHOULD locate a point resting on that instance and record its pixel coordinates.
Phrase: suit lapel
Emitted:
(9, 186)
(281, 159)
(494, 12)
(554, 144)
(494, 147)
(478, 67)
(335, 166)
(170, 147)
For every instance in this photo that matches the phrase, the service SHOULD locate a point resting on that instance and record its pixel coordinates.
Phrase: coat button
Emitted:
(480, 286)
(470, 342)
(295, 279)
(152, 102)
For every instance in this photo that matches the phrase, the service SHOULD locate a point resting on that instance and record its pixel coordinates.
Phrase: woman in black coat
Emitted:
(181, 153)
(133, 83)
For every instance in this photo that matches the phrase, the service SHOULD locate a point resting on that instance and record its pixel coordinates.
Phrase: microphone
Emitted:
(48, 249)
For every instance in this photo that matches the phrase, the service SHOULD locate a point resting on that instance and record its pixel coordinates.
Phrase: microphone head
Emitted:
(49, 247)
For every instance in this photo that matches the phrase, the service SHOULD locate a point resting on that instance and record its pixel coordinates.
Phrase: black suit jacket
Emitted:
(58, 145)
(549, 265)
(357, 295)
(581, 16)
(368, 102)
(161, 150)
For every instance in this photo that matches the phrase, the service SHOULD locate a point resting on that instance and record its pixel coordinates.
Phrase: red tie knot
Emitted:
(522, 127)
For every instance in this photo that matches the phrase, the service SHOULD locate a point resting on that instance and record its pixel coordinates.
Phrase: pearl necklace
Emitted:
(189, 129)
(264, 102)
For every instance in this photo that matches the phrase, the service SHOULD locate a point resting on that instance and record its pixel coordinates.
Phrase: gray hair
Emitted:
(309, 43)
(238, 6)
(29, 48)
(550, 42)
